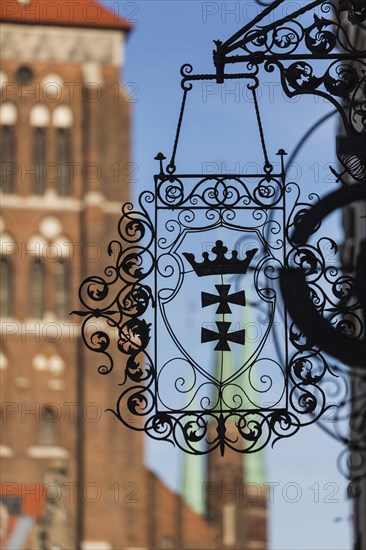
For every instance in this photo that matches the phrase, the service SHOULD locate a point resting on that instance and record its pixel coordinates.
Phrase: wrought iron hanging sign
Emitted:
(221, 241)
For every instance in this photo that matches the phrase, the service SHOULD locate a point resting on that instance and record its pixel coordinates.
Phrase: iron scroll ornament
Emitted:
(341, 338)
(313, 50)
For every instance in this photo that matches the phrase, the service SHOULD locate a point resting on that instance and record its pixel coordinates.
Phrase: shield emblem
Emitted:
(215, 321)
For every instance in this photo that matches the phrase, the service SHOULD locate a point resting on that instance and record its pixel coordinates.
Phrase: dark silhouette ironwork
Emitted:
(343, 339)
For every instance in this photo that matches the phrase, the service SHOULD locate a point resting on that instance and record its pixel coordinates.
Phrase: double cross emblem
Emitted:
(223, 298)
(223, 336)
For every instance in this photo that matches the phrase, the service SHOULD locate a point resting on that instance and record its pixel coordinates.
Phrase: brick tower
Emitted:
(65, 148)
(71, 476)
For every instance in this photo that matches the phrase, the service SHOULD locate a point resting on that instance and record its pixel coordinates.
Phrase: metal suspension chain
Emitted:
(171, 166)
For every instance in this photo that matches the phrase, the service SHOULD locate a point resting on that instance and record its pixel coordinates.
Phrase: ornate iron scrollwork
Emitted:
(342, 333)
(290, 46)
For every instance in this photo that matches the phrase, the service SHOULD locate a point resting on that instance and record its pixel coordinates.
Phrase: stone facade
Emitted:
(62, 45)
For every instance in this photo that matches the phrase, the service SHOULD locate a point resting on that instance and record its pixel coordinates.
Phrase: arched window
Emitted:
(62, 117)
(37, 289)
(61, 289)
(48, 427)
(63, 159)
(52, 86)
(6, 290)
(40, 116)
(40, 120)
(8, 119)
(39, 159)
(62, 120)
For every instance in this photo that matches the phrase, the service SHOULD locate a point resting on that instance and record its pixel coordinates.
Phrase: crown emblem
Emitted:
(221, 264)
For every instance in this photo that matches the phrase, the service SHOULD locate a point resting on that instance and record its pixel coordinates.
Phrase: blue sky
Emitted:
(309, 510)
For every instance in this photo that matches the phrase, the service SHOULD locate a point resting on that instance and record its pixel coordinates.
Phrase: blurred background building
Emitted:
(72, 477)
